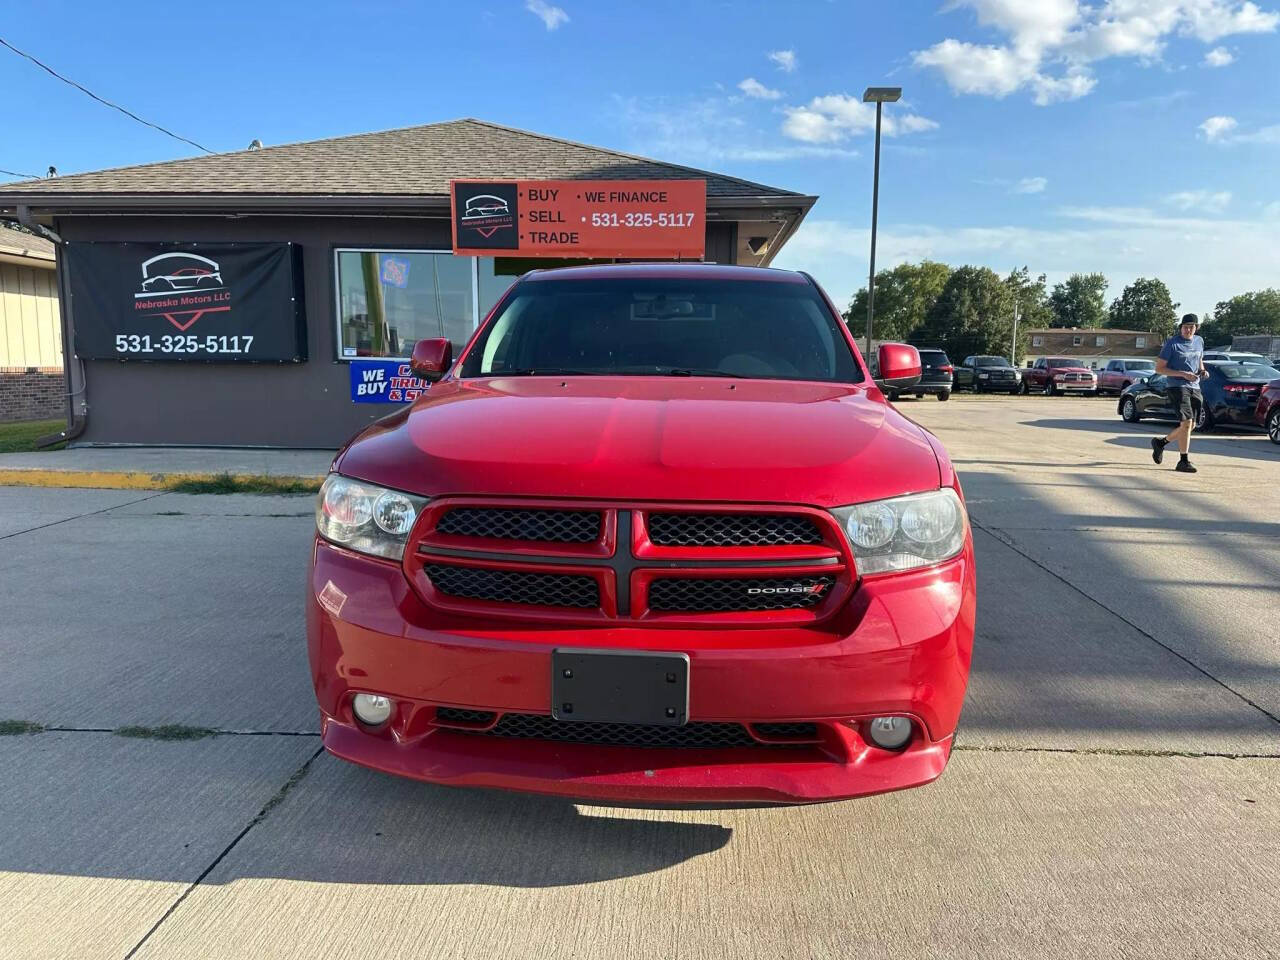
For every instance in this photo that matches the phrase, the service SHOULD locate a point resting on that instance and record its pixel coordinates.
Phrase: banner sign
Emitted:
(651, 219)
(384, 381)
(207, 302)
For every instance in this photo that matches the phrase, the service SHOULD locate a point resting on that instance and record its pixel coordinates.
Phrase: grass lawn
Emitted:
(21, 437)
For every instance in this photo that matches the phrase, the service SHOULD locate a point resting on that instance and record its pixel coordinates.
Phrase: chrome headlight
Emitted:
(362, 517)
(905, 533)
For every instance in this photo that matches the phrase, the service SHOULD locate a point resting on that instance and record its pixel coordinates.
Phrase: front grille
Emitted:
(471, 718)
(731, 530)
(545, 526)
(722, 595)
(514, 586)
(1076, 378)
(528, 726)
(786, 731)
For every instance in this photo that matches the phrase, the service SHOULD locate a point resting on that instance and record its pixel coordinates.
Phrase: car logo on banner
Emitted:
(182, 288)
(485, 215)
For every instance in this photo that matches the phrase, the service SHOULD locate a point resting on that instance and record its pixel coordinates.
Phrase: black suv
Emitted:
(935, 375)
(987, 373)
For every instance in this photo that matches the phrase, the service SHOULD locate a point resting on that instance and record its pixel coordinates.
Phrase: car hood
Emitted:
(648, 438)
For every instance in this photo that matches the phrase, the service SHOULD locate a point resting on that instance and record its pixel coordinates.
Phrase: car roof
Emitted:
(655, 271)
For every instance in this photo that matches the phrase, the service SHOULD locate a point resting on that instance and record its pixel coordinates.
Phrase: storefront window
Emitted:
(388, 300)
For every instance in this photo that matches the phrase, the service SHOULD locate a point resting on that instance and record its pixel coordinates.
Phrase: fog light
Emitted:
(892, 733)
(371, 709)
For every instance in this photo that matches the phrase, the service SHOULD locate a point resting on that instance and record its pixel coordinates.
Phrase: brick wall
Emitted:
(31, 393)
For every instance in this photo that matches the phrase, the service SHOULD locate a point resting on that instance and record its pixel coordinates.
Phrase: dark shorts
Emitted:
(1186, 401)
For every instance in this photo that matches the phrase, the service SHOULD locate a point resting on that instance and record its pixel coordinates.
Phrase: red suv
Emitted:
(656, 537)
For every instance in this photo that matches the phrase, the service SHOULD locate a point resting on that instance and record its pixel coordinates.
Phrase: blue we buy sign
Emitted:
(384, 381)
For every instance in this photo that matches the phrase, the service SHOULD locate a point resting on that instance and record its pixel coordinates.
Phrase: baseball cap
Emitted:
(1189, 318)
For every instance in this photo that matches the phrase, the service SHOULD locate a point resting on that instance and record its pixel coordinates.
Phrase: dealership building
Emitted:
(231, 299)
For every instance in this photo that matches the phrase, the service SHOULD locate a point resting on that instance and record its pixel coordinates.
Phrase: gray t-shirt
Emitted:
(1183, 355)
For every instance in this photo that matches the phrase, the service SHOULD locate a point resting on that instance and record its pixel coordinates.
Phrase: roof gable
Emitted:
(411, 161)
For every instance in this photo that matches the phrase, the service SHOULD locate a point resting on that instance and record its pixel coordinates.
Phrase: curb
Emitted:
(131, 480)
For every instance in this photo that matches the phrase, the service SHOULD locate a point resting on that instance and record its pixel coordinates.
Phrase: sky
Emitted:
(1130, 137)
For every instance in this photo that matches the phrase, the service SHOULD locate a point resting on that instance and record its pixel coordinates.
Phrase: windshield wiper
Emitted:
(697, 372)
(546, 372)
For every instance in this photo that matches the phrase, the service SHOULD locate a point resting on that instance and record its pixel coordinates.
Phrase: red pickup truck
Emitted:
(1122, 371)
(1054, 375)
(657, 536)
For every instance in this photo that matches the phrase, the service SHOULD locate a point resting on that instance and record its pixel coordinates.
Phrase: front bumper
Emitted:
(901, 645)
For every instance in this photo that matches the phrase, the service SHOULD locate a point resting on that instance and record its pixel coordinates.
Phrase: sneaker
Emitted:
(1184, 466)
(1157, 448)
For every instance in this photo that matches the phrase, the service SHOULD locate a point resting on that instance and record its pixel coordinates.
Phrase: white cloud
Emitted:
(1215, 128)
(1210, 20)
(784, 59)
(1049, 44)
(1073, 86)
(705, 133)
(754, 88)
(1031, 185)
(838, 116)
(1205, 201)
(969, 68)
(1202, 260)
(552, 17)
(1218, 57)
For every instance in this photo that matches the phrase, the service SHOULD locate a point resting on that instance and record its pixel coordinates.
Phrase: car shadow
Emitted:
(351, 825)
(1228, 440)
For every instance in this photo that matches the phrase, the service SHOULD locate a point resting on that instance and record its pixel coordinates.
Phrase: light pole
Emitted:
(1013, 350)
(879, 96)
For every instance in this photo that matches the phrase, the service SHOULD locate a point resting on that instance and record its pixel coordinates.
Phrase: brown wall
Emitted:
(31, 393)
(278, 405)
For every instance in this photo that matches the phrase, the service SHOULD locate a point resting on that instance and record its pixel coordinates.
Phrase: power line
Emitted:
(20, 176)
(114, 106)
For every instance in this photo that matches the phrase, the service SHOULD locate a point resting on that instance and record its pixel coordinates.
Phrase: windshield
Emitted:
(674, 326)
(1248, 371)
(990, 362)
(1054, 362)
(1139, 364)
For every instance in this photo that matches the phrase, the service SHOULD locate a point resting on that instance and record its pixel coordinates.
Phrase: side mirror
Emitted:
(431, 359)
(899, 365)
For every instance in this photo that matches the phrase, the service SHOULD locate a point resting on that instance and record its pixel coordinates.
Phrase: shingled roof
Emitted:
(412, 161)
(19, 244)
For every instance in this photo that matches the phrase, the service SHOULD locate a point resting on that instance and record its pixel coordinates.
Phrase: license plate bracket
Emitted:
(611, 686)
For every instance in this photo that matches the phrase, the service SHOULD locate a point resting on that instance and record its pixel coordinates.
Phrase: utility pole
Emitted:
(1013, 350)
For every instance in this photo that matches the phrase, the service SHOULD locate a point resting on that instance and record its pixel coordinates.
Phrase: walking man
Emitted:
(1182, 361)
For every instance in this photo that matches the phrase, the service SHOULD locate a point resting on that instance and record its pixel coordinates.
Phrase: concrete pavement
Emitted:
(1114, 793)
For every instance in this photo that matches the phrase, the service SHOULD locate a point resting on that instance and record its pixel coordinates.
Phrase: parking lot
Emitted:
(1114, 792)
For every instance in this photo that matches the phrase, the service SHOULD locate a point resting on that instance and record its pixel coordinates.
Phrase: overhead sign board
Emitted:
(210, 302)
(647, 219)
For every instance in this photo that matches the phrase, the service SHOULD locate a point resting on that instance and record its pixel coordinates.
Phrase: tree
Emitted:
(904, 295)
(1144, 305)
(1079, 301)
(973, 314)
(1032, 298)
(1257, 312)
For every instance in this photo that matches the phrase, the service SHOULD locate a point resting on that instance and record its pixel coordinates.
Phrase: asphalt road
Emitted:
(1114, 794)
